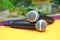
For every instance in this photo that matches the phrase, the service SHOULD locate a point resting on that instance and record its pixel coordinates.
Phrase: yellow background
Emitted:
(52, 33)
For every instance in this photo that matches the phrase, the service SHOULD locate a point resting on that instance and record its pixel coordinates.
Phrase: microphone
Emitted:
(34, 16)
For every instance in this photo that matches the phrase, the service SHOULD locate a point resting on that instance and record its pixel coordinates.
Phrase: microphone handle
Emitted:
(21, 25)
(48, 19)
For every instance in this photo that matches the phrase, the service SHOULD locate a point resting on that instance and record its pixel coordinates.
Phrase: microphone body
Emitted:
(48, 19)
(22, 25)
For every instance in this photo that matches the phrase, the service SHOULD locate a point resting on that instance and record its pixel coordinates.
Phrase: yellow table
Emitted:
(52, 33)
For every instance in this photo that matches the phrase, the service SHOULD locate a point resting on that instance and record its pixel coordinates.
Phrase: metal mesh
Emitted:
(32, 16)
(43, 25)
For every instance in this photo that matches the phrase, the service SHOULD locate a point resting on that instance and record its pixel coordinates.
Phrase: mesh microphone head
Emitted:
(32, 16)
(41, 25)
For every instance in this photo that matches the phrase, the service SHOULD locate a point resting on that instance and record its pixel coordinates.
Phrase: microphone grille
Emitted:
(41, 25)
(32, 16)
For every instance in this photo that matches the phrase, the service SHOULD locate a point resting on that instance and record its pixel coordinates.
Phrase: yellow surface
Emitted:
(52, 33)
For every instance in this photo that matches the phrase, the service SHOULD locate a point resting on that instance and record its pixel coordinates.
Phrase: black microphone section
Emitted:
(48, 19)
(22, 25)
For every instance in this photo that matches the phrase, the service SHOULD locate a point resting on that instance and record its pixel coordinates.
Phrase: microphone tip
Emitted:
(32, 16)
(41, 25)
